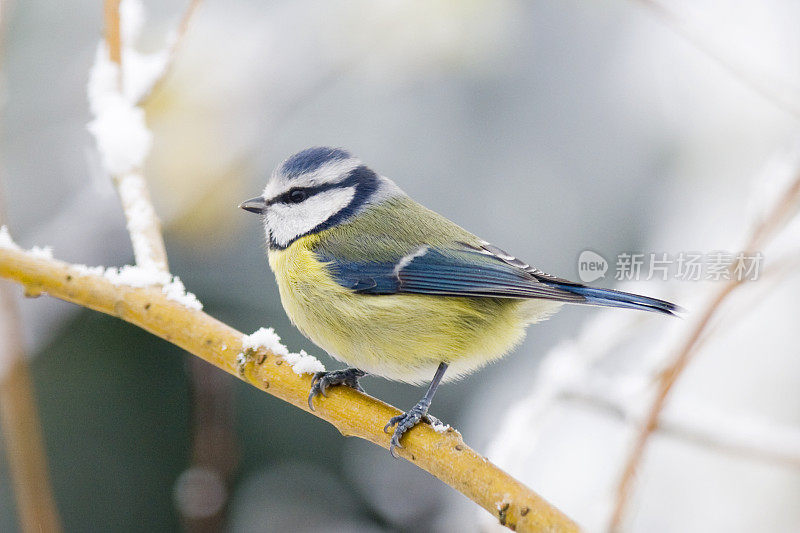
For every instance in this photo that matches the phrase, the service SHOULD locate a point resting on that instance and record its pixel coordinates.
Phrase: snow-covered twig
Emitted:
(122, 136)
(120, 82)
(267, 339)
(444, 454)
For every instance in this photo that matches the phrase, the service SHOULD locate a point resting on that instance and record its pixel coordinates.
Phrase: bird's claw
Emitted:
(405, 422)
(322, 381)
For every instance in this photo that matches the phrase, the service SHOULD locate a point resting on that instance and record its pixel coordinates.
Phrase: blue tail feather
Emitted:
(625, 300)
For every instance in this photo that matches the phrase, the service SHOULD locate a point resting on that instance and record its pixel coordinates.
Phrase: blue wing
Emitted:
(457, 271)
(466, 270)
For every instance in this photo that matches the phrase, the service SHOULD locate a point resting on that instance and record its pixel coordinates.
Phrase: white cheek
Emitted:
(285, 222)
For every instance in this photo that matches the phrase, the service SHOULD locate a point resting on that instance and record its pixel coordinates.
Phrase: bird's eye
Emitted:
(296, 196)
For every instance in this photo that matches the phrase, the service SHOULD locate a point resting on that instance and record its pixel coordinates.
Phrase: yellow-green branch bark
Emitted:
(444, 455)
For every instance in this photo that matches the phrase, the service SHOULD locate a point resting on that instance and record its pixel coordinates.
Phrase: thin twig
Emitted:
(760, 236)
(112, 31)
(143, 224)
(444, 455)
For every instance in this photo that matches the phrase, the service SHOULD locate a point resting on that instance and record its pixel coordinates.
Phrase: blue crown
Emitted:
(311, 159)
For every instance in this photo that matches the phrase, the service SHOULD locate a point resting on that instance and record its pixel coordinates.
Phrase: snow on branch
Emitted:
(120, 80)
(439, 451)
(5, 239)
(127, 275)
(267, 339)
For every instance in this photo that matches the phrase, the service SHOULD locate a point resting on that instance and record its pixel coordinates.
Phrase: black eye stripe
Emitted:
(292, 196)
(356, 178)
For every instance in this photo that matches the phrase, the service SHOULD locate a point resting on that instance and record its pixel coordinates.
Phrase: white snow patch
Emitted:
(176, 290)
(131, 20)
(133, 187)
(504, 503)
(42, 252)
(265, 338)
(141, 71)
(119, 127)
(439, 426)
(5, 239)
(85, 270)
(103, 84)
(134, 276)
(141, 216)
(302, 363)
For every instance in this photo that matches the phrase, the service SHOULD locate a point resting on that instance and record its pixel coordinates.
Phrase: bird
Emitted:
(393, 289)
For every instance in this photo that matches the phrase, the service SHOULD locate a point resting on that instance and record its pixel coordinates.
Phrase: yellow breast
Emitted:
(402, 336)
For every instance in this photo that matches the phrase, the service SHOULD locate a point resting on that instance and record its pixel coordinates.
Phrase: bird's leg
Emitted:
(416, 414)
(323, 380)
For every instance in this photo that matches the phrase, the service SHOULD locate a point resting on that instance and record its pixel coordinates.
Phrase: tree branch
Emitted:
(112, 34)
(142, 221)
(444, 455)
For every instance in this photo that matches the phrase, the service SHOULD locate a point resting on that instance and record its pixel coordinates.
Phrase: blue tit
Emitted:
(393, 289)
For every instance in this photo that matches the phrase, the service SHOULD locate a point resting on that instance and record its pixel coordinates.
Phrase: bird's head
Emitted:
(314, 190)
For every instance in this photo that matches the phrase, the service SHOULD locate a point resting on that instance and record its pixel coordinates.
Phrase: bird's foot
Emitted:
(322, 381)
(406, 421)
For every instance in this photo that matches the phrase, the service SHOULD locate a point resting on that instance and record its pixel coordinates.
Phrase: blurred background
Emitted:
(548, 128)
